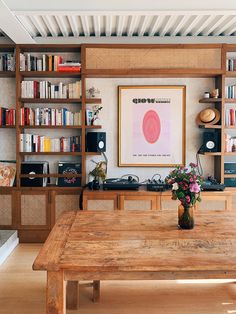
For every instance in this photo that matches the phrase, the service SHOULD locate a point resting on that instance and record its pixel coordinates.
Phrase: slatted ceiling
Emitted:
(75, 24)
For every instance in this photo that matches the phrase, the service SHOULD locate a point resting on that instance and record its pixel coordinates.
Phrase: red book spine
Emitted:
(69, 69)
(232, 116)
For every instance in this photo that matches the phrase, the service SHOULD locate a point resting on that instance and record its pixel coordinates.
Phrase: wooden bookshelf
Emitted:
(52, 196)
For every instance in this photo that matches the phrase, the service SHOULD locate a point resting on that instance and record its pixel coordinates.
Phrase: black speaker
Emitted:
(96, 142)
(210, 142)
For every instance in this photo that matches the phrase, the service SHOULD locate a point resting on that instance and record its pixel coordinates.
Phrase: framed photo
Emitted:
(89, 116)
(151, 126)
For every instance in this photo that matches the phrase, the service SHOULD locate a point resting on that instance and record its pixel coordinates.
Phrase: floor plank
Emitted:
(22, 291)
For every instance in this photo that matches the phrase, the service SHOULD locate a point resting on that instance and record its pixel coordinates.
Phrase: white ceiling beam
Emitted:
(215, 23)
(62, 25)
(108, 25)
(39, 25)
(97, 25)
(231, 30)
(12, 27)
(85, 25)
(155, 25)
(120, 25)
(191, 25)
(132, 25)
(50, 25)
(225, 26)
(183, 20)
(203, 25)
(73, 25)
(167, 26)
(143, 26)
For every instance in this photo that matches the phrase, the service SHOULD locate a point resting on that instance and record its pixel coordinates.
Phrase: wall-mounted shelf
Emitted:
(210, 100)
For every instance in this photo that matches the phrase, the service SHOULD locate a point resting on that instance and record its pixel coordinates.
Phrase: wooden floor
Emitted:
(22, 291)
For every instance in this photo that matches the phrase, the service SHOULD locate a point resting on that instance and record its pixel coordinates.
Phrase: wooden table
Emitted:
(134, 245)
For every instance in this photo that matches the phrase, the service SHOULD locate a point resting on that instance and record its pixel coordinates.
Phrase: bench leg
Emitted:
(72, 295)
(96, 290)
(55, 302)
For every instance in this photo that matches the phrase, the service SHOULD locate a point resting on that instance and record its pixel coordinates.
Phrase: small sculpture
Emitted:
(93, 92)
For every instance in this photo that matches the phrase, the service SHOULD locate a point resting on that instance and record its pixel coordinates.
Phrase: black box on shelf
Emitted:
(230, 168)
(69, 167)
(34, 167)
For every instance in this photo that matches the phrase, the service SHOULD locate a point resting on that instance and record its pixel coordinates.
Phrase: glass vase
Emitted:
(185, 217)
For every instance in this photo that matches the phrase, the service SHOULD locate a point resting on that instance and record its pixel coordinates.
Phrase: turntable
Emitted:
(121, 184)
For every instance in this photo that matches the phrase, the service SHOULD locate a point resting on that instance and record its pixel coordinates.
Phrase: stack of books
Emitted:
(44, 89)
(49, 117)
(29, 62)
(230, 91)
(230, 117)
(7, 62)
(230, 65)
(7, 116)
(38, 143)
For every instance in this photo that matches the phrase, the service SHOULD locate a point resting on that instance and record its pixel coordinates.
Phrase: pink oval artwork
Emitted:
(151, 126)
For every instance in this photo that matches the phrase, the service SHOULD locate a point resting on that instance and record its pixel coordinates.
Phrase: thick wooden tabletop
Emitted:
(139, 241)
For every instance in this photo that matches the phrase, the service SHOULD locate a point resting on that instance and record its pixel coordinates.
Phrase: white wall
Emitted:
(195, 87)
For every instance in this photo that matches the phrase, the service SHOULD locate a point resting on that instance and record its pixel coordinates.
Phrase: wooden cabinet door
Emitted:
(34, 210)
(7, 209)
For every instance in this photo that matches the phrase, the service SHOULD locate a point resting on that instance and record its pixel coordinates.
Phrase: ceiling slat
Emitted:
(182, 20)
(97, 25)
(120, 25)
(48, 20)
(108, 26)
(224, 26)
(192, 22)
(202, 24)
(155, 25)
(169, 23)
(85, 25)
(39, 25)
(74, 25)
(132, 24)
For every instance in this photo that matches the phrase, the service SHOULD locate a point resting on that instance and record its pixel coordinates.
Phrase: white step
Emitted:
(8, 241)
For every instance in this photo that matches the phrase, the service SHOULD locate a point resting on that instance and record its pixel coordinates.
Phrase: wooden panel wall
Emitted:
(152, 58)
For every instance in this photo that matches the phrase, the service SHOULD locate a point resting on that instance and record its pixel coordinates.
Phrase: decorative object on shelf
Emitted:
(152, 126)
(71, 168)
(96, 120)
(89, 116)
(206, 95)
(93, 92)
(100, 171)
(186, 187)
(215, 93)
(208, 116)
(7, 173)
(35, 168)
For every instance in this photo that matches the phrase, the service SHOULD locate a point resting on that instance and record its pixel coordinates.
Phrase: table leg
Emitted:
(55, 293)
(72, 295)
(96, 290)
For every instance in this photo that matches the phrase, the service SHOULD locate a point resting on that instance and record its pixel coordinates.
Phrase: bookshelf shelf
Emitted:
(212, 153)
(230, 74)
(209, 126)
(50, 127)
(50, 74)
(7, 73)
(50, 100)
(51, 187)
(93, 100)
(209, 100)
(230, 175)
(230, 100)
(93, 126)
(230, 153)
(230, 127)
(7, 126)
(51, 153)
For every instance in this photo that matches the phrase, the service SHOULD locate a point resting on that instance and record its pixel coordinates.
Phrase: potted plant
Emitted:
(186, 187)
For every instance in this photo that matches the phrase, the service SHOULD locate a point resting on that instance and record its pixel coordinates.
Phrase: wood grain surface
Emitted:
(134, 241)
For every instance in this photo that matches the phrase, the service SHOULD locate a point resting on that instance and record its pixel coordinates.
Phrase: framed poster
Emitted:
(151, 126)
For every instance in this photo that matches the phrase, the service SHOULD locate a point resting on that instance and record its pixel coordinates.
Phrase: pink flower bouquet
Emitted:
(186, 184)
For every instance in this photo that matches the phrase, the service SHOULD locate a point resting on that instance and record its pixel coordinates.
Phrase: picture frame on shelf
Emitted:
(151, 125)
(89, 116)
